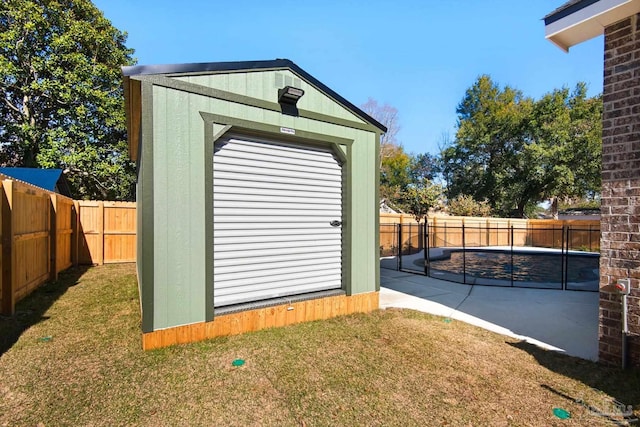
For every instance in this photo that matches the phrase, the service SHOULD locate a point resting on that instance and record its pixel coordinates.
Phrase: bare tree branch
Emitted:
(388, 116)
(13, 107)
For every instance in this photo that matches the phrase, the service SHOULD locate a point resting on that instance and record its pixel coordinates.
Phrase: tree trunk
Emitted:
(554, 207)
(30, 152)
(29, 159)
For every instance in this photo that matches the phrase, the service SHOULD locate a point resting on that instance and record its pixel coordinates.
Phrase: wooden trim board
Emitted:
(269, 317)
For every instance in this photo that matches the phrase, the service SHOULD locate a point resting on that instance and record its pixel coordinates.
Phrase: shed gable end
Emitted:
(264, 85)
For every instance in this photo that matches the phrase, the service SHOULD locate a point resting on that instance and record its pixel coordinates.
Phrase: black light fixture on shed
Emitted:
(288, 97)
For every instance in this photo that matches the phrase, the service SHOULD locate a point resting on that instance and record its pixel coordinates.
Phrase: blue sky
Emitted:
(418, 56)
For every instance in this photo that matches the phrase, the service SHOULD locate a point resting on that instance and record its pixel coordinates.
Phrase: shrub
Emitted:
(465, 205)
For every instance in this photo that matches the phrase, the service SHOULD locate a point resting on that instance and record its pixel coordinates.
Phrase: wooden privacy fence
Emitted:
(448, 232)
(108, 231)
(43, 233)
(36, 227)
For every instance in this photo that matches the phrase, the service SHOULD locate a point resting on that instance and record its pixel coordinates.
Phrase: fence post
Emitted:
(434, 232)
(464, 256)
(399, 246)
(53, 243)
(445, 236)
(565, 256)
(8, 294)
(425, 246)
(101, 233)
(487, 224)
(75, 232)
(511, 255)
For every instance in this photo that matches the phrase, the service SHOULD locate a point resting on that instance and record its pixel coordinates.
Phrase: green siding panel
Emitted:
(144, 197)
(179, 210)
(363, 252)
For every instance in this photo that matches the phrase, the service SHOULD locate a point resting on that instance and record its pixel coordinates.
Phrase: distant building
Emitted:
(586, 214)
(49, 179)
(385, 208)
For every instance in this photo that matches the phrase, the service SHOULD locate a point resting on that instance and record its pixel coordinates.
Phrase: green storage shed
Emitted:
(257, 198)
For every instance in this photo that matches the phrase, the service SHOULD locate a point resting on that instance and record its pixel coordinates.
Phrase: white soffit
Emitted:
(589, 22)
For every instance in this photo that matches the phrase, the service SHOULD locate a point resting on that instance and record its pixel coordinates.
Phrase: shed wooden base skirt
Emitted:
(262, 318)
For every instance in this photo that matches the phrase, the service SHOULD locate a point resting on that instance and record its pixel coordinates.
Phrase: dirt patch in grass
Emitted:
(72, 356)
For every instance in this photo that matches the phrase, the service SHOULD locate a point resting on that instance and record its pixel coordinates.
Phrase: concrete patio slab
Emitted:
(564, 321)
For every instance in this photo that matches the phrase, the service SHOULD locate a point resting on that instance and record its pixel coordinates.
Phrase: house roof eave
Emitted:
(581, 20)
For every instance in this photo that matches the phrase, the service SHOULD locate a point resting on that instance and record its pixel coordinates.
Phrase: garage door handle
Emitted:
(336, 223)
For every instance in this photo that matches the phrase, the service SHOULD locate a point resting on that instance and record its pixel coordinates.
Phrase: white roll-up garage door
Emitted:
(273, 205)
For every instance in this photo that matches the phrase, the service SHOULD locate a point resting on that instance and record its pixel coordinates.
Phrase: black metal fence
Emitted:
(534, 257)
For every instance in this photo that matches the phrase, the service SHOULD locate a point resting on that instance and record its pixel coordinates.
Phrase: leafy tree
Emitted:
(566, 129)
(62, 101)
(491, 123)
(419, 199)
(424, 167)
(396, 169)
(405, 178)
(465, 205)
(516, 152)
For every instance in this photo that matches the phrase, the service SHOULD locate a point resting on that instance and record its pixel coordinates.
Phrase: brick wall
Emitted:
(620, 246)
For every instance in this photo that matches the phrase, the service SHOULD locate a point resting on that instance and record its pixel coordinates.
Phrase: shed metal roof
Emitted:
(276, 64)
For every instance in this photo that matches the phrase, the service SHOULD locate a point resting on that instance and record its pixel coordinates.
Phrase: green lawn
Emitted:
(72, 356)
